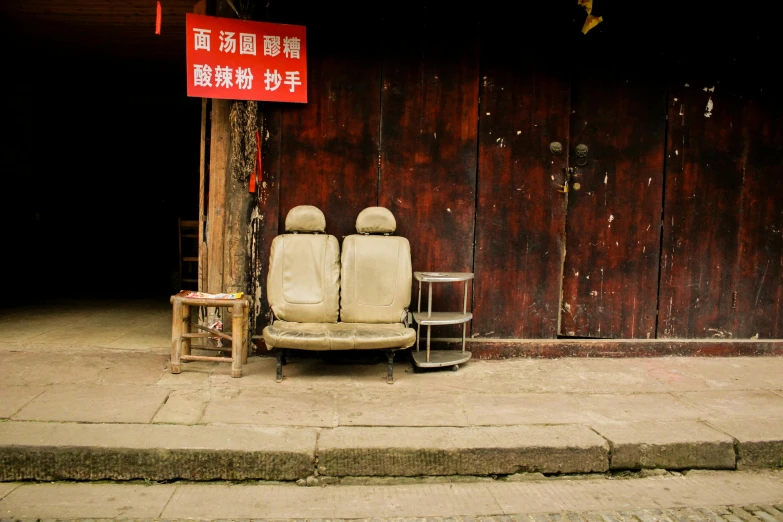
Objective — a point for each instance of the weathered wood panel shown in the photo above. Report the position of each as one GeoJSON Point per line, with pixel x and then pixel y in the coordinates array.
{"type": "Point", "coordinates": [330, 145]}
{"type": "Point", "coordinates": [266, 222]}
{"type": "Point", "coordinates": [759, 301]}
{"type": "Point", "coordinates": [520, 214]}
{"type": "Point", "coordinates": [429, 141]}
{"type": "Point", "coordinates": [610, 275]}
{"type": "Point", "coordinates": [701, 224]}
{"type": "Point", "coordinates": [555, 349]}
{"type": "Point", "coordinates": [219, 155]}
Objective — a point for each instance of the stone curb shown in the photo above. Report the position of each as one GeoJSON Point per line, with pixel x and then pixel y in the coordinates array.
{"type": "Point", "coordinates": [70, 451]}
{"type": "Point", "coordinates": [461, 451]}
{"type": "Point", "coordinates": [63, 451]}
{"type": "Point", "coordinates": [668, 445]}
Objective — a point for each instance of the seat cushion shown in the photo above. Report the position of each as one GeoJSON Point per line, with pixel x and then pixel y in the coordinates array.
{"type": "Point", "coordinates": [338, 336]}
{"type": "Point", "coordinates": [376, 279]}
{"type": "Point", "coordinates": [303, 284]}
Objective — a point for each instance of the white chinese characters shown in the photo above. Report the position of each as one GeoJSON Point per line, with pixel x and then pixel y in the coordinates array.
{"type": "Point", "coordinates": [291, 46]}
{"type": "Point", "coordinates": [248, 63]}
{"type": "Point", "coordinates": [223, 76]}
{"type": "Point", "coordinates": [202, 75]}
{"type": "Point", "coordinates": [271, 45]}
{"type": "Point", "coordinates": [244, 78]}
{"type": "Point", "coordinates": [228, 43]}
{"type": "Point", "coordinates": [273, 80]}
{"type": "Point", "coordinates": [202, 38]}
{"type": "Point", "coordinates": [247, 43]}
{"type": "Point", "coordinates": [292, 79]}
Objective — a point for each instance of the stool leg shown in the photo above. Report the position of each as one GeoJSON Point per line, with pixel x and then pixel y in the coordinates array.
{"type": "Point", "coordinates": [245, 333]}
{"type": "Point", "coordinates": [176, 337]}
{"type": "Point", "coordinates": [237, 339]}
{"type": "Point", "coordinates": [280, 357]}
{"type": "Point", "coordinates": [390, 366]}
{"type": "Point", "coordinates": [186, 328]}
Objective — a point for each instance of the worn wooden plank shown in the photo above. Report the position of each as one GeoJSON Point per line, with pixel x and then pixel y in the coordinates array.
{"type": "Point", "coordinates": [330, 145]}
{"type": "Point", "coordinates": [202, 180]}
{"type": "Point", "coordinates": [265, 219]}
{"type": "Point", "coordinates": [759, 302]}
{"type": "Point", "coordinates": [520, 213]}
{"type": "Point", "coordinates": [429, 140]}
{"type": "Point", "coordinates": [200, 7]}
{"type": "Point", "coordinates": [704, 166]}
{"type": "Point", "coordinates": [610, 275]}
{"type": "Point", "coordinates": [218, 172]}
{"type": "Point", "coordinates": [616, 348]}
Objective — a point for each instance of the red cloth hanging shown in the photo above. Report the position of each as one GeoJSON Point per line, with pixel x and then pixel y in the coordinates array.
{"type": "Point", "coordinates": [157, 19]}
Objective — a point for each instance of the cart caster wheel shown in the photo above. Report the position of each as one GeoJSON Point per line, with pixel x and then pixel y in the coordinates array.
{"type": "Point", "coordinates": [415, 368]}
{"type": "Point", "coordinates": [455, 368]}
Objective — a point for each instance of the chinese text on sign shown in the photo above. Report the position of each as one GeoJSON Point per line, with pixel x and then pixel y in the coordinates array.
{"type": "Point", "coordinates": [244, 60]}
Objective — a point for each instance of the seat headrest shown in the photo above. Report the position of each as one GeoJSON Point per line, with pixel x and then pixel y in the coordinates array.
{"type": "Point", "coordinates": [305, 218]}
{"type": "Point", "coordinates": [375, 220]}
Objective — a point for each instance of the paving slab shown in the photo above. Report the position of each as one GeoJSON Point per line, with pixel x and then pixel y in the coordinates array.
{"type": "Point", "coordinates": [714, 373]}
{"type": "Point", "coordinates": [76, 334]}
{"type": "Point", "coordinates": [287, 502]}
{"type": "Point", "coordinates": [736, 404]}
{"type": "Point", "coordinates": [245, 502]}
{"type": "Point", "coordinates": [608, 408]}
{"type": "Point", "coordinates": [522, 408]}
{"type": "Point", "coordinates": [601, 375]}
{"type": "Point", "coordinates": [91, 403]}
{"type": "Point", "coordinates": [260, 407]}
{"type": "Point", "coordinates": [715, 489]}
{"type": "Point", "coordinates": [122, 368]}
{"type": "Point", "coordinates": [195, 375]}
{"type": "Point", "coordinates": [15, 397]}
{"type": "Point", "coordinates": [60, 451]}
{"type": "Point", "coordinates": [760, 441]}
{"type": "Point", "coordinates": [72, 501]}
{"type": "Point", "coordinates": [550, 500]}
{"type": "Point", "coordinates": [436, 408]}
{"type": "Point", "coordinates": [183, 407]}
{"type": "Point", "coordinates": [24, 368]}
{"type": "Point", "coordinates": [667, 445]}
{"type": "Point", "coordinates": [6, 488]}
{"type": "Point", "coordinates": [380, 451]}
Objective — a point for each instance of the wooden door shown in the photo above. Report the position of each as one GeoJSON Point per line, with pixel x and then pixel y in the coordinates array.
{"type": "Point", "coordinates": [615, 191]}
{"type": "Point", "coordinates": [520, 206]}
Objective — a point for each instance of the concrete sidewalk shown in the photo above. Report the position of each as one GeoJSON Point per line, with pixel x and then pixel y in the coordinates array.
{"type": "Point", "coordinates": [92, 398]}
{"type": "Point", "coordinates": [703, 496]}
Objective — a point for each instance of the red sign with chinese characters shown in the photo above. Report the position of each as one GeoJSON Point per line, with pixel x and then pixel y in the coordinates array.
{"type": "Point", "coordinates": [243, 60]}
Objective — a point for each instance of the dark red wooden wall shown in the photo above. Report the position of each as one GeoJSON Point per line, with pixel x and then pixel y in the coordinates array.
{"type": "Point", "coordinates": [670, 226]}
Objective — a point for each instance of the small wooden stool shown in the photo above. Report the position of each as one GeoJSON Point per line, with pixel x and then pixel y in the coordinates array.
{"type": "Point", "coordinates": [181, 331]}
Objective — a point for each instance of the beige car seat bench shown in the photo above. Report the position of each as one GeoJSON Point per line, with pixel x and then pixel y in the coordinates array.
{"type": "Point", "coordinates": [322, 299]}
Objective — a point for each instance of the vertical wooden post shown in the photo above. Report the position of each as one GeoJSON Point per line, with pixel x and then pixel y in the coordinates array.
{"type": "Point", "coordinates": [238, 334]}
{"type": "Point", "coordinates": [219, 154]}
{"type": "Point", "coordinates": [201, 8]}
{"type": "Point", "coordinates": [176, 336]}
{"type": "Point", "coordinates": [245, 331]}
{"type": "Point", "coordinates": [229, 203]}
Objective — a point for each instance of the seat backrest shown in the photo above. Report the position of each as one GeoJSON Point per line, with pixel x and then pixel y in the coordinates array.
{"type": "Point", "coordinates": [303, 283]}
{"type": "Point", "coordinates": [376, 271]}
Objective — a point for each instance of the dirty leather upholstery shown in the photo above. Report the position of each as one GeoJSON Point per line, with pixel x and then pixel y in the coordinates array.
{"type": "Point", "coordinates": [303, 284]}
{"type": "Point", "coordinates": [378, 274]}
{"type": "Point", "coordinates": [376, 271]}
